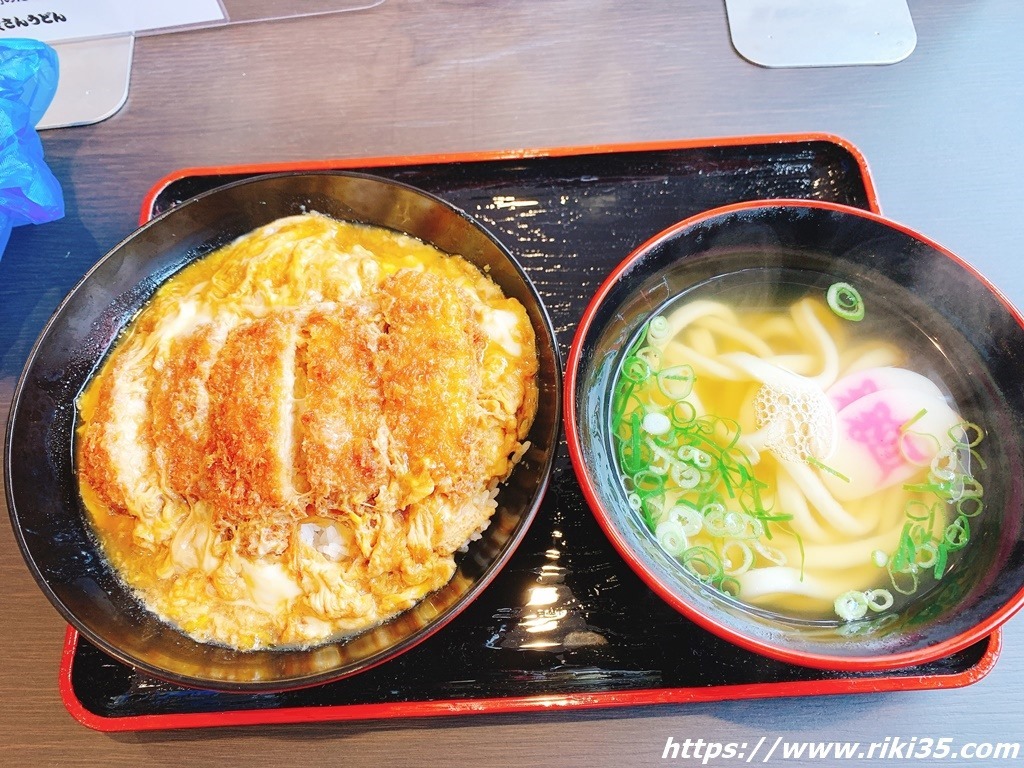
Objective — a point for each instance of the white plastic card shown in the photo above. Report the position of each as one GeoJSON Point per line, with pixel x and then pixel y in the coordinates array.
{"type": "Point", "coordinates": [821, 33]}
{"type": "Point", "coordinates": [57, 20]}
{"type": "Point", "coordinates": [93, 84]}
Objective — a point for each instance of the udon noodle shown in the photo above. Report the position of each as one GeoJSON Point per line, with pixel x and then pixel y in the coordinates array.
{"type": "Point", "coordinates": [788, 459]}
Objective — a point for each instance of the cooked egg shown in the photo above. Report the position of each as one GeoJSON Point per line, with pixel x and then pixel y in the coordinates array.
{"type": "Point", "coordinates": [296, 435]}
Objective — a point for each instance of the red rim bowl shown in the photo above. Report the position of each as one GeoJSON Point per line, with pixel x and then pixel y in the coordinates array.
{"type": "Point", "coordinates": [977, 331]}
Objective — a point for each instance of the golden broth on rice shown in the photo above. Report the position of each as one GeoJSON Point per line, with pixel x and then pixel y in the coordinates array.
{"type": "Point", "coordinates": [300, 430]}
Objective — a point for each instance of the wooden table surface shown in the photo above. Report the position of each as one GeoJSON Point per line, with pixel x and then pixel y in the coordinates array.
{"type": "Point", "coordinates": [941, 132]}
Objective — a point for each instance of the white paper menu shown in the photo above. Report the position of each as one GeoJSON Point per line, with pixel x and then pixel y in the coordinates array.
{"type": "Point", "coordinates": [55, 20]}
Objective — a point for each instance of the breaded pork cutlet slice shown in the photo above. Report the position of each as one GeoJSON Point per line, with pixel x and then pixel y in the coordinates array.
{"type": "Point", "coordinates": [116, 443]}
{"type": "Point", "coordinates": [344, 437]}
{"type": "Point", "coordinates": [252, 389]}
{"type": "Point", "coordinates": [181, 407]}
{"type": "Point", "coordinates": [430, 372]}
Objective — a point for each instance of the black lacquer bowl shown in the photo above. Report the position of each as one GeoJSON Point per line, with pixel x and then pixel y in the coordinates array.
{"type": "Point", "coordinates": [42, 494]}
{"type": "Point", "coordinates": [972, 333]}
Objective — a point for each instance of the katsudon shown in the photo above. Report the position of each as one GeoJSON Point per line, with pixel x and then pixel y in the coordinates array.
{"type": "Point", "coordinates": [294, 438]}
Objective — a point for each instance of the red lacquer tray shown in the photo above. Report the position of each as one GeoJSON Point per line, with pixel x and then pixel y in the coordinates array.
{"type": "Point", "coordinates": [602, 639]}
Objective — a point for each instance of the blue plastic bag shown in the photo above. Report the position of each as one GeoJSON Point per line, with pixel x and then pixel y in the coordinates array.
{"type": "Point", "coordinates": [29, 193]}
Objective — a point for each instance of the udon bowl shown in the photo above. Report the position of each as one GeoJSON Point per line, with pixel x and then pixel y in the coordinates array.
{"type": "Point", "coordinates": [933, 300]}
{"type": "Point", "coordinates": [46, 510]}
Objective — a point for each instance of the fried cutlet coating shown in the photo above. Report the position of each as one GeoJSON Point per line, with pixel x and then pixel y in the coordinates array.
{"type": "Point", "coordinates": [251, 451]}
{"type": "Point", "coordinates": [343, 431]}
{"type": "Point", "coordinates": [116, 451]}
{"type": "Point", "coordinates": [180, 407]}
{"type": "Point", "coordinates": [430, 361]}
{"type": "Point", "coordinates": [96, 464]}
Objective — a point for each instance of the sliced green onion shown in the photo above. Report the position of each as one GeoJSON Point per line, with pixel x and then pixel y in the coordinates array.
{"type": "Point", "coordinates": [676, 383]}
{"type": "Point", "coordinates": [856, 628]}
{"type": "Point", "coordinates": [845, 301]}
{"type": "Point", "coordinates": [906, 582]}
{"type": "Point", "coordinates": [905, 555]}
{"type": "Point", "coordinates": [927, 510]}
{"type": "Point", "coordinates": [722, 523]}
{"type": "Point", "coordinates": [682, 413]}
{"type": "Point", "coordinates": [916, 417]}
{"type": "Point", "coordinates": [651, 356]}
{"type": "Point", "coordinates": [625, 401]}
{"type": "Point", "coordinates": [770, 553]}
{"type": "Point", "coordinates": [656, 423]}
{"type": "Point", "coordinates": [945, 465]}
{"type": "Point", "coordinates": [647, 482]}
{"type": "Point", "coordinates": [702, 460]}
{"type": "Point", "coordinates": [659, 469]}
{"type": "Point", "coordinates": [969, 434]}
{"type": "Point", "coordinates": [713, 508]}
{"type": "Point", "coordinates": [658, 328]}
{"type": "Point", "coordinates": [851, 605]}
{"type": "Point", "coordinates": [957, 533]}
{"type": "Point", "coordinates": [634, 455]}
{"type": "Point", "coordinates": [686, 477]}
{"type": "Point", "coordinates": [703, 563]}
{"type": "Point", "coordinates": [751, 527]}
{"type": "Point", "coordinates": [730, 549]}
{"type": "Point", "coordinates": [730, 585]}
{"type": "Point", "coordinates": [977, 457]}
{"type": "Point", "coordinates": [803, 554]}
{"type": "Point", "coordinates": [688, 517]}
{"type": "Point", "coordinates": [939, 489]}
{"type": "Point", "coordinates": [971, 488]}
{"type": "Point", "coordinates": [653, 510]}
{"type": "Point", "coordinates": [926, 555]}
{"type": "Point", "coordinates": [671, 537]}
{"type": "Point", "coordinates": [970, 506]}
{"type": "Point", "coordinates": [822, 466]}
{"type": "Point", "coordinates": [941, 558]}
{"type": "Point", "coordinates": [728, 431]}
{"type": "Point", "coordinates": [636, 370]}
{"type": "Point", "coordinates": [879, 600]}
